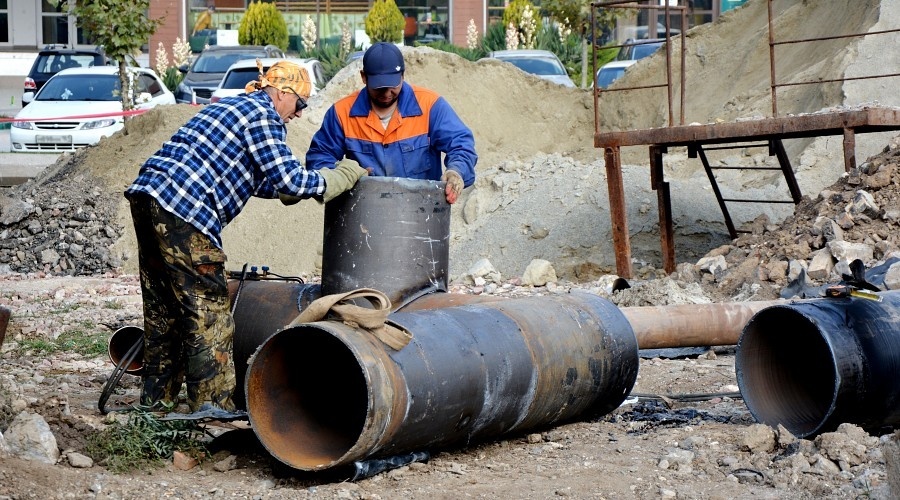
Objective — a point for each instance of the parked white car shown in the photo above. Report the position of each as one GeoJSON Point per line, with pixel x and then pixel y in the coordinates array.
{"type": "Point", "coordinates": [541, 63]}
{"type": "Point", "coordinates": [79, 106]}
{"type": "Point", "coordinates": [611, 72]}
{"type": "Point", "coordinates": [245, 71]}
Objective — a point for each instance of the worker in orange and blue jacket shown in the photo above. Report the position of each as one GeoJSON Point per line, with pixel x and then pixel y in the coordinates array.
{"type": "Point", "coordinates": [396, 129]}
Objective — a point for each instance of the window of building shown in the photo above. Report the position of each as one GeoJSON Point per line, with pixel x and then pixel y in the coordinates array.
{"type": "Point", "coordinates": [54, 22]}
{"type": "Point", "coordinates": [4, 21]}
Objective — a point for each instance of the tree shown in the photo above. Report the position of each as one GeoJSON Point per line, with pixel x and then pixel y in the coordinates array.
{"type": "Point", "coordinates": [263, 24]}
{"type": "Point", "coordinates": [385, 22]}
{"type": "Point", "coordinates": [576, 15]}
{"type": "Point", "coordinates": [121, 27]}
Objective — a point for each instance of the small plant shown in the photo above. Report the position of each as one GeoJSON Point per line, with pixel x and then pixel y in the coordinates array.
{"type": "Point", "coordinates": [515, 13]}
{"type": "Point", "coordinates": [7, 413]}
{"type": "Point", "coordinates": [171, 77]}
{"type": "Point", "coordinates": [263, 24]}
{"type": "Point", "coordinates": [527, 27]}
{"type": "Point", "coordinates": [385, 22]}
{"type": "Point", "coordinates": [471, 35]}
{"type": "Point", "coordinates": [82, 340]}
{"type": "Point", "coordinates": [309, 34]}
{"type": "Point", "coordinates": [143, 440]}
{"type": "Point", "coordinates": [346, 40]}
{"type": "Point", "coordinates": [512, 37]}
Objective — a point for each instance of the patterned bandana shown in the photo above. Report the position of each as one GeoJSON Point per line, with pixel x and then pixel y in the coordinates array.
{"type": "Point", "coordinates": [285, 76]}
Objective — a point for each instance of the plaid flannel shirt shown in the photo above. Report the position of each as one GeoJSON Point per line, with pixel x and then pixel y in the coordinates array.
{"type": "Point", "coordinates": [227, 152]}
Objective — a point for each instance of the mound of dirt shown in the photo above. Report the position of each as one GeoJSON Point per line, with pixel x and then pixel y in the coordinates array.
{"type": "Point", "coordinates": [540, 190]}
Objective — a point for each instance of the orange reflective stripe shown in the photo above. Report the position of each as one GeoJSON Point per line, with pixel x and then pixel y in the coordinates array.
{"type": "Point", "coordinates": [368, 128]}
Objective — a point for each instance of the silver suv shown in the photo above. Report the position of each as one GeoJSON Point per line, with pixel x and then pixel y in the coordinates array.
{"type": "Point", "coordinates": [203, 76]}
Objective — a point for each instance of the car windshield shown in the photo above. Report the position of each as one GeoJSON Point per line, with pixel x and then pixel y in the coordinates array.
{"type": "Point", "coordinates": [240, 77]}
{"type": "Point", "coordinates": [642, 51]}
{"type": "Point", "coordinates": [537, 66]}
{"type": "Point", "coordinates": [608, 75]}
{"type": "Point", "coordinates": [219, 62]}
{"type": "Point", "coordinates": [80, 88]}
{"type": "Point", "coordinates": [54, 63]}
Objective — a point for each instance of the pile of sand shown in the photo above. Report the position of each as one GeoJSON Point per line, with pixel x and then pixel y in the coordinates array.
{"type": "Point", "coordinates": [541, 188]}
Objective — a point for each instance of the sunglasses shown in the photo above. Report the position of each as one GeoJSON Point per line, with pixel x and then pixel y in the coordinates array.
{"type": "Point", "coordinates": [301, 102]}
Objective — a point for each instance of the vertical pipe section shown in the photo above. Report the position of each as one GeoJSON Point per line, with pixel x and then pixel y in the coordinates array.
{"type": "Point", "coordinates": [812, 365]}
{"type": "Point", "coordinates": [5, 313]}
{"type": "Point", "coordinates": [325, 394]}
{"type": "Point", "coordinates": [390, 234]}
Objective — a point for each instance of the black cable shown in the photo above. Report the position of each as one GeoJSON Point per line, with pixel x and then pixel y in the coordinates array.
{"type": "Point", "coordinates": [116, 375]}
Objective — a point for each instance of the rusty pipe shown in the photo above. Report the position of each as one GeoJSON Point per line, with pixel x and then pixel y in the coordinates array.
{"type": "Point", "coordinates": [691, 325]}
{"type": "Point", "coordinates": [656, 327]}
{"type": "Point", "coordinates": [325, 394]}
{"type": "Point", "coordinates": [811, 365]}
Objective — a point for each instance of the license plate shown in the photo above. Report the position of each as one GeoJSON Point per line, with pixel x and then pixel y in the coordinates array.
{"type": "Point", "coordinates": [53, 139]}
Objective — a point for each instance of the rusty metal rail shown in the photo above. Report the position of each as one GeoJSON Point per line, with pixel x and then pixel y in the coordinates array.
{"type": "Point", "coordinates": [774, 43]}
{"type": "Point", "coordinates": [668, 84]}
{"type": "Point", "coordinates": [773, 130]}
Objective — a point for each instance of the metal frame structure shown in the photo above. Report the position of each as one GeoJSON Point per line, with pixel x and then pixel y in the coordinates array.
{"type": "Point", "coordinates": [768, 132]}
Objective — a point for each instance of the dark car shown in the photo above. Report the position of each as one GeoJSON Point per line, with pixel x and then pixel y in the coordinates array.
{"type": "Point", "coordinates": [203, 76]}
{"type": "Point", "coordinates": [54, 58]}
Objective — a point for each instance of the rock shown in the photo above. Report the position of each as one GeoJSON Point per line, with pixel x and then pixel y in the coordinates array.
{"type": "Point", "coordinates": [848, 444]}
{"type": "Point", "coordinates": [484, 269]}
{"type": "Point", "coordinates": [713, 264]}
{"type": "Point", "coordinates": [777, 269]}
{"type": "Point", "coordinates": [892, 277]}
{"type": "Point", "coordinates": [29, 437]}
{"type": "Point", "coordinates": [845, 221]}
{"type": "Point", "coordinates": [828, 228]}
{"type": "Point", "coordinates": [824, 467]}
{"type": "Point", "coordinates": [538, 273]}
{"type": "Point", "coordinates": [844, 250]}
{"type": "Point", "coordinates": [226, 464]}
{"type": "Point", "coordinates": [758, 438]}
{"type": "Point", "coordinates": [79, 461]}
{"type": "Point", "coordinates": [13, 210]}
{"type": "Point", "coordinates": [878, 180]}
{"type": "Point", "coordinates": [794, 268]}
{"type": "Point", "coordinates": [183, 461]}
{"type": "Point", "coordinates": [821, 265]}
{"type": "Point", "coordinates": [863, 204]}
{"type": "Point", "coordinates": [785, 437]}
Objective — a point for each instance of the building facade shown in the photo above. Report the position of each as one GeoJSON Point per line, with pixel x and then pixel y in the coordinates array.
{"type": "Point", "coordinates": [28, 25]}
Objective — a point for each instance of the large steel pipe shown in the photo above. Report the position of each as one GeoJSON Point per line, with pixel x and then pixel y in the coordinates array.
{"type": "Point", "coordinates": [390, 234]}
{"type": "Point", "coordinates": [812, 365]}
{"type": "Point", "coordinates": [324, 394]}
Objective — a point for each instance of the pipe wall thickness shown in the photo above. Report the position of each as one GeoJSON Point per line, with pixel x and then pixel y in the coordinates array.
{"type": "Point", "coordinates": [325, 394]}
{"type": "Point", "coordinates": [812, 365]}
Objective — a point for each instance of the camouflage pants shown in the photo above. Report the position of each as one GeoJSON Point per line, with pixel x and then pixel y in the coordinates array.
{"type": "Point", "coordinates": [188, 327]}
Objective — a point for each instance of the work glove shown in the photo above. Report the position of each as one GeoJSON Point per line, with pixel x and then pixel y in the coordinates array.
{"type": "Point", "coordinates": [341, 178]}
{"type": "Point", "coordinates": [454, 185]}
{"type": "Point", "coordinates": [288, 199]}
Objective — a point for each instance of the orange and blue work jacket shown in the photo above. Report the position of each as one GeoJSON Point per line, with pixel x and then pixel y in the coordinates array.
{"type": "Point", "coordinates": [422, 127]}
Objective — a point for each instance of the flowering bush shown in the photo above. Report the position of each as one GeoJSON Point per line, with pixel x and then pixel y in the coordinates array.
{"type": "Point", "coordinates": [308, 34]}
{"type": "Point", "coordinates": [181, 52]}
{"type": "Point", "coordinates": [346, 40]}
{"type": "Point", "coordinates": [512, 37]}
{"type": "Point", "coordinates": [527, 27]}
{"type": "Point", "coordinates": [472, 35]}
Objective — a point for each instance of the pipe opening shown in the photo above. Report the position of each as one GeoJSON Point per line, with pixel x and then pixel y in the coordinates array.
{"type": "Point", "coordinates": [308, 406]}
{"type": "Point", "coordinates": [121, 341]}
{"type": "Point", "coordinates": [786, 371]}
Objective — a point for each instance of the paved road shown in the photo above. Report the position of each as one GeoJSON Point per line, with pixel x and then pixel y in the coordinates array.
{"type": "Point", "coordinates": [16, 168]}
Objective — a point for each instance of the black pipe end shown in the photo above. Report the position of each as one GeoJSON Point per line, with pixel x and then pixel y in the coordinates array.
{"type": "Point", "coordinates": [786, 371]}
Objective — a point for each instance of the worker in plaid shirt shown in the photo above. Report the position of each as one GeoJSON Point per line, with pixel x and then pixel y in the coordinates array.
{"type": "Point", "coordinates": [184, 195]}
